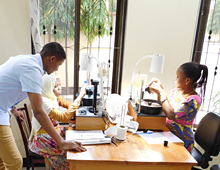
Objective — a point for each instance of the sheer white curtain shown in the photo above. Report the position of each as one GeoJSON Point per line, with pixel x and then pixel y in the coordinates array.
{"type": "Point", "coordinates": [35, 30]}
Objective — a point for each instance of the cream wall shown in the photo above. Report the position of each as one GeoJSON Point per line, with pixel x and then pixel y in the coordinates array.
{"type": "Point", "coordinates": [15, 28]}
{"type": "Point", "coordinates": [158, 27]}
{"type": "Point", "coordinates": [15, 39]}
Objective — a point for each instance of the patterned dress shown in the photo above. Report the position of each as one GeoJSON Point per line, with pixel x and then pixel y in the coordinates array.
{"type": "Point", "coordinates": [42, 144]}
{"type": "Point", "coordinates": [185, 110]}
{"type": "Point", "coordinates": [40, 141]}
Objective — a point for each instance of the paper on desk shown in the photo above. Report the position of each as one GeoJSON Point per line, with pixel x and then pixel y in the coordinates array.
{"type": "Point", "coordinates": [111, 131]}
{"type": "Point", "coordinates": [160, 137]}
{"type": "Point", "coordinates": [84, 134]}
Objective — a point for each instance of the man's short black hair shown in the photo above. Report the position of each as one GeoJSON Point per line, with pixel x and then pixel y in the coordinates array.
{"type": "Point", "coordinates": [53, 49]}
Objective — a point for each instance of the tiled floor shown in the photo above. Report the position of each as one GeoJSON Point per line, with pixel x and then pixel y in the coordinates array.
{"type": "Point", "coordinates": [37, 168]}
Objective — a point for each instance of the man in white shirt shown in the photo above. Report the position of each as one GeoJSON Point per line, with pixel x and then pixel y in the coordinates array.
{"type": "Point", "coordinates": [21, 77]}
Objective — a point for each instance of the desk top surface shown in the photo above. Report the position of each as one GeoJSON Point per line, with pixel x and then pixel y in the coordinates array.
{"type": "Point", "coordinates": [134, 150]}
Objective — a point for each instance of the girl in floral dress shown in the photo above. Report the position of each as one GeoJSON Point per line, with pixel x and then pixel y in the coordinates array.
{"type": "Point", "coordinates": [185, 102]}
{"type": "Point", "coordinates": [41, 142]}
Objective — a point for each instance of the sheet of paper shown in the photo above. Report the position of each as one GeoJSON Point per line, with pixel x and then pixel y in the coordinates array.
{"type": "Point", "coordinates": [160, 137]}
{"type": "Point", "coordinates": [84, 134]}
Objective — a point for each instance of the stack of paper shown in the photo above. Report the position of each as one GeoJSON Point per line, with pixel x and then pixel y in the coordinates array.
{"type": "Point", "coordinates": [87, 137]}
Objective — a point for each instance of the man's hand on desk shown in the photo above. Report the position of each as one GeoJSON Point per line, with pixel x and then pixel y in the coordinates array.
{"type": "Point", "coordinates": [73, 145]}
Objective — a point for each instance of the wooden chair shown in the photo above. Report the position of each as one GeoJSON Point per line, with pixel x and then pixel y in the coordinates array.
{"type": "Point", "coordinates": [25, 129]}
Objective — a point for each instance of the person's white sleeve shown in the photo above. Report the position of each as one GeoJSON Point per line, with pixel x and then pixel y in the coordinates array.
{"type": "Point", "coordinates": [31, 80]}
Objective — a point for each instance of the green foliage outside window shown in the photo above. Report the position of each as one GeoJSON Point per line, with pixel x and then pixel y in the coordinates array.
{"type": "Point", "coordinates": [214, 22]}
{"type": "Point", "coordinates": [94, 18]}
{"type": "Point", "coordinates": [59, 16]}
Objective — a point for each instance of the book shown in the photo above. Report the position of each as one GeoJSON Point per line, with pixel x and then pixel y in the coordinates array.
{"type": "Point", "coordinates": [87, 137]}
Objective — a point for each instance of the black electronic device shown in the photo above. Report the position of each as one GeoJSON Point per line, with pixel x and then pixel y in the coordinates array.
{"type": "Point", "coordinates": [94, 109]}
{"type": "Point", "coordinates": [87, 100]}
{"type": "Point", "coordinates": [148, 106]}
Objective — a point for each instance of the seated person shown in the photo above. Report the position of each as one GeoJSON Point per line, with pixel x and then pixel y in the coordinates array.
{"type": "Point", "coordinates": [184, 103]}
{"type": "Point", "coordinates": [41, 142]}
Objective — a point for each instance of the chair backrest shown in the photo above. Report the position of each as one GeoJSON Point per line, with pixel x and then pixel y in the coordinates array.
{"type": "Point", "coordinates": [25, 127]}
{"type": "Point", "coordinates": [26, 115]}
{"type": "Point", "coordinates": [207, 134]}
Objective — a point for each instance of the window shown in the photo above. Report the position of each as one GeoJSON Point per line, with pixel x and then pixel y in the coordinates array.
{"type": "Point", "coordinates": [210, 56]}
{"type": "Point", "coordinates": [97, 36]}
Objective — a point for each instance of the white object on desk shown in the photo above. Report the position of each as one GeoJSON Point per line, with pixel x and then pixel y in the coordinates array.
{"type": "Point", "coordinates": [111, 131]}
{"type": "Point", "coordinates": [95, 141]}
{"type": "Point", "coordinates": [118, 131]}
{"type": "Point", "coordinates": [87, 137]}
{"type": "Point", "coordinates": [84, 134]}
{"type": "Point", "coordinates": [132, 126]}
{"type": "Point", "coordinates": [121, 132]}
{"type": "Point", "coordinates": [113, 106]}
{"type": "Point", "coordinates": [160, 137]}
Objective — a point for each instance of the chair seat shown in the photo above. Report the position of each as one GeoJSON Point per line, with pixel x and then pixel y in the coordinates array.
{"type": "Point", "coordinates": [215, 167]}
{"type": "Point", "coordinates": [34, 155]}
{"type": "Point", "coordinates": [36, 159]}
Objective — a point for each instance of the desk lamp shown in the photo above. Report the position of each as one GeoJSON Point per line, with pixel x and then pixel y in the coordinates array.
{"type": "Point", "coordinates": [156, 66]}
{"type": "Point", "coordinates": [86, 65]}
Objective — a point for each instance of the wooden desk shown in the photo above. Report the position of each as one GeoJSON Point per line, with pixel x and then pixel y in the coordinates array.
{"type": "Point", "coordinates": [135, 154]}
{"type": "Point", "coordinates": [89, 121]}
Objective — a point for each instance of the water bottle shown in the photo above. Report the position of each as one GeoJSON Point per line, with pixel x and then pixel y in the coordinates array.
{"type": "Point", "coordinates": [85, 84]}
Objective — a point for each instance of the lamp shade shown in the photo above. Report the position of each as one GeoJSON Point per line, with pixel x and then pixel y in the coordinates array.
{"type": "Point", "coordinates": [157, 63]}
{"type": "Point", "coordinates": [86, 62]}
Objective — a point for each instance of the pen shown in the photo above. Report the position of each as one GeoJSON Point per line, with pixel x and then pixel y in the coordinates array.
{"type": "Point", "coordinates": [114, 142]}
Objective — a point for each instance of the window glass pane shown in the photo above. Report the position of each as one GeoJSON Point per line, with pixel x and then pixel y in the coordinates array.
{"type": "Point", "coordinates": [57, 23]}
{"type": "Point", "coordinates": [210, 57]}
{"type": "Point", "coordinates": [98, 37]}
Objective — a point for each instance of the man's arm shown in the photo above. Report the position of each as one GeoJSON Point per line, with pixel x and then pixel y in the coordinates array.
{"type": "Point", "coordinates": [43, 119]}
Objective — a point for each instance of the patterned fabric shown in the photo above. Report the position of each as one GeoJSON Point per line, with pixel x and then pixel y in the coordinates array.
{"type": "Point", "coordinates": [42, 144]}
{"type": "Point", "coordinates": [185, 110]}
